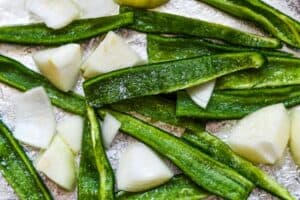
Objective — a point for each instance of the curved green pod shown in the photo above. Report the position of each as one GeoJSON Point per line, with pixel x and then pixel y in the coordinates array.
{"type": "Point", "coordinates": [105, 172]}
{"type": "Point", "coordinates": [39, 34]}
{"type": "Point", "coordinates": [224, 105]}
{"type": "Point", "coordinates": [278, 71]}
{"type": "Point", "coordinates": [220, 151]}
{"type": "Point", "coordinates": [162, 48]}
{"type": "Point", "coordinates": [270, 19]}
{"type": "Point", "coordinates": [20, 77]}
{"type": "Point", "coordinates": [204, 171]}
{"type": "Point", "coordinates": [179, 187]}
{"type": "Point", "coordinates": [88, 178]}
{"type": "Point", "coordinates": [163, 23]}
{"type": "Point", "coordinates": [158, 109]}
{"type": "Point", "coordinates": [18, 170]}
{"type": "Point", "coordinates": [165, 77]}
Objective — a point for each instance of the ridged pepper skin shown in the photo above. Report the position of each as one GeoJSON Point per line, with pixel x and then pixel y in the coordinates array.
{"type": "Point", "coordinates": [163, 23]}
{"type": "Point", "coordinates": [39, 34]}
{"type": "Point", "coordinates": [165, 77]}
{"type": "Point", "coordinates": [18, 170]}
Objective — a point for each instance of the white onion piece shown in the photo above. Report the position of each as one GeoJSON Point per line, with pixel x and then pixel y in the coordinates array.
{"type": "Point", "coordinates": [263, 135]}
{"type": "Point", "coordinates": [35, 120]}
{"type": "Point", "coordinates": [141, 169]}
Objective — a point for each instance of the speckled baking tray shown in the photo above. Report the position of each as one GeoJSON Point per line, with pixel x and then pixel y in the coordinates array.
{"type": "Point", "coordinates": [12, 12]}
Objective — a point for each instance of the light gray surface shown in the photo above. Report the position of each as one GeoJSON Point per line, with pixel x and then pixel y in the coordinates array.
{"type": "Point", "coordinates": [11, 12]}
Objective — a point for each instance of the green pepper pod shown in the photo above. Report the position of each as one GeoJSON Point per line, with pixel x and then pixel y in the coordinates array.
{"type": "Point", "coordinates": [165, 77]}
{"type": "Point", "coordinates": [39, 34]}
{"type": "Point", "coordinates": [162, 48]}
{"type": "Point", "coordinates": [88, 179]}
{"type": "Point", "coordinates": [163, 23]}
{"type": "Point", "coordinates": [279, 71]}
{"type": "Point", "coordinates": [270, 19]}
{"type": "Point", "coordinates": [18, 170]}
{"type": "Point", "coordinates": [158, 109]}
{"type": "Point", "coordinates": [234, 105]}
{"type": "Point", "coordinates": [106, 175]}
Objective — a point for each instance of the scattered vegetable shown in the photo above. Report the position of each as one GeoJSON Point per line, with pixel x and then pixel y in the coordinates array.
{"type": "Point", "coordinates": [58, 164]}
{"type": "Point", "coordinates": [236, 104]}
{"type": "Point", "coordinates": [158, 109]}
{"type": "Point", "coordinates": [18, 170]}
{"type": "Point", "coordinates": [39, 34]}
{"type": "Point", "coordinates": [106, 175]}
{"type": "Point", "coordinates": [20, 77]}
{"type": "Point", "coordinates": [173, 48]}
{"type": "Point", "coordinates": [60, 65]}
{"type": "Point", "coordinates": [142, 3]}
{"type": "Point", "coordinates": [164, 77]}
{"type": "Point", "coordinates": [264, 15]}
{"type": "Point", "coordinates": [89, 178]}
{"type": "Point", "coordinates": [97, 8]}
{"type": "Point", "coordinates": [295, 133]}
{"type": "Point", "coordinates": [263, 135]}
{"type": "Point", "coordinates": [112, 54]}
{"type": "Point", "coordinates": [220, 151]}
{"type": "Point", "coordinates": [204, 171]}
{"type": "Point", "coordinates": [156, 22]}
{"type": "Point", "coordinates": [35, 120]}
{"type": "Point", "coordinates": [141, 169]}
{"type": "Point", "coordinates": [55, 14]}
{"type": "Point", "coordinates": [279, 71]}
{"type": "Point", "coordinates": [109, 128]}
{"type": "Point", "coordinates": [201, 94]}
{"type": "Point", "coordinates": [70, 130]}
{"type": "Point", "coordinates": [178, 187]}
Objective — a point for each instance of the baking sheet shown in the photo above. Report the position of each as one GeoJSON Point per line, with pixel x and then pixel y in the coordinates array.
{"type": "Point", "coordinates": [12, 12]}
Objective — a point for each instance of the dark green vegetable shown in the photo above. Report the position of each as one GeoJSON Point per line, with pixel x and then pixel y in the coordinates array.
{"type": "Point", "coordinates": [270, 19]}
{"type": "Point", "coordinates": [266, 92]}
{"type": "Point", "coordinates": [18, 170]}
{"type": "Point", "coordinates": [88, 179]}
{"type": "Point", "coordinates": [106, 175]}
{"type": "Point", "coordinates": [220, 151]}
{"type": "Point", "coordinates": [233, 106]}
{"type": "Point", "coordinates": [158, 109]}
{"type": "Point", "coordinates": [39, 34]}
{"type": "Point", "coordinates": [173, 48]}
{"type": "Point", "coordinates": [204, 171]}
{"type": "Point", "coordinates": [279, 71]}
{"type": "Point", "coordinates": [178, 187]}
{"type": "Point", "coordinates": [20, 77]}
{"type": "Point", "coordinates": [156, 22]}
{"type": "Point", "coordinates": [164, 77]}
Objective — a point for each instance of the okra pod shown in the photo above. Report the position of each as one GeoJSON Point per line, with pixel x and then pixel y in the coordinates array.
{"type": "Point", "coordinates": [158, 109]}
{"type": "Point", "coordinates": [179, 187]}
{"type": "Point", "coordinates": [165, 77]}
{"type": "Point", "coordinates": [39, 34]}
{"type": "Point", "coordinates": [270, 19]}
{"type": "Point", "coordinates": [279, 71]}
{"type": "Point", "coordinates": [106, 175]}
{"type": "Point", "coordinates": [20, 77]}
{"type": "Point", "coordinates": [163, 23]}
{"type": "Point", "coordinates": [162, 48]}
{"type": "Point", "coordinates": [88, 178]}
{"type": "Point", "coordinates": [221, 152]}
{"type": "Point", "coordinates": [18, 170]}
{"type": "Point", "coordinates": [204, 171]}
{"type": "Point", "coordinates": [224, 105]}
